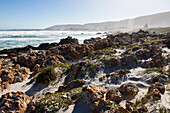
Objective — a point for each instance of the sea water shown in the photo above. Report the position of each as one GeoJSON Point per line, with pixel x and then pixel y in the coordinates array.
{"type": "Point", "coordinates": [13, 39]}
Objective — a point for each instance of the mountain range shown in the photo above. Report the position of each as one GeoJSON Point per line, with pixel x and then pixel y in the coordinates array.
{"type": "Point", "coordinates": [152, 21]}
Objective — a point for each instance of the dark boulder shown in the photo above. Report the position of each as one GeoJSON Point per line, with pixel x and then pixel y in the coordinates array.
{"type": "Point", "coordinates": [69, 40]}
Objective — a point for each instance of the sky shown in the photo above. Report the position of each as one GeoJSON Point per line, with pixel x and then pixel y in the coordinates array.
{"type": "Point", "coordinates": [39, 14]}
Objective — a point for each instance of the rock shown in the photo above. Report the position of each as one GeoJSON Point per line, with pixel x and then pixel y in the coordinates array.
{"type": "Point", "coordinates": [114, 95]}
{"type": "Point", "coordinates": [44, 46]}
{"type": "Point", "coordinates": [101, 44]}
{"type": "Point", "coordinates": [154, 93]}
{"type": "Point", "coordinates": [152, 77]}
{"type": "Point", "coordinates": [31, 52]}
{"type": "Point", "coordinates": [61, 58]}
{"type": "Point", "coordinates": [120, 109]}
{"type": "Point", "coordinates": [158, 86]}
{"type": "Point", "coordinates": [167, 42]}
{"type": "Point", "coordinates": [69, 40]}
{"type": "Point", "coordinates": [74, 51]}
{"type": "Point", "coordinates": [142, 109]}
{"type": "Point", "coordinates": [14, 102]}
{"type": "Point", "coordinates": [17, 79]}
{"type": "Point", "coordinates": [73, 84]}
{"type": "Point", "coordinates": [91, 41]}
{"type": "Point", "coordinates": [127, 60]}
{"type": "Point", "coordinates": [94, 97]}
{"type": "Point", "coordinates": [117, 79]}
{"type": "Point", "coordinates": [129, 105]}
{"type": "Point", "coordinates": [142, 54]}
{"type": "Point", "coordinates": [92, 93]}
{"type": "Point", "coordinates": [147, 64]}
{"type": "Point", "coordinates": [47, 46]}
{"type": "Point", "coordinates": [17, 66]}
{"type": "Point", "coordinates": [7, 75]}
{"type": "Point", "coordinates": [25, 70]}
{"type": "Point", "coordinates": [75, 72]}
{"type": "Point", "coordinates": [118, 76]}
{"type": "Point", "coordinates": [25, 60]}
{"type": "Point", "coordinates": [154, 50]}
{"type": "Point", "coordinates": [98, 106]}
{"type": "Point", "coordinates": [51, 60]}
{"type": "Point", "coordinates": [15, 51]}
{"type": "Point", "coordinates": [113, 62]}
{"type": "Point", "coordinates": [129, 90]}
{"type": "Point", "coordinates": [5, 85]}
{"type": "Point", "coordinates": [36, 69]}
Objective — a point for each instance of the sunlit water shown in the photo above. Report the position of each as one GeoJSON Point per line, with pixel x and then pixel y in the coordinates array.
{"type": "Point", "coordinates": [12, 39]}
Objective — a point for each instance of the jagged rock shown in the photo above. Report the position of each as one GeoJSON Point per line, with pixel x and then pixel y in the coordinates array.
{"type": "Point", "coordinates": [167, 42]}
{"type": "Point", "coordinates": [118, 76]}
{"type": "Point", "coordinates": [7, 75]}
{"type": "Point", "coordinates": [91, 41]}
{"type": "Point", "coordinates": [129, 90]}
{"type": "Point", "coordinates": [11, 73]}
{"type": "Point", "coordinates": [117, 79]}
{"type": "Point", "coordinates": [25, 60]}
{"type": "Point", "coordinates": [17, 79]}
{"type": "Point", "coordinates": [92, 93]}
{"type": "Point", "coordinates": [114, 95]}
{"type": "Point", "coordinates": [15, 51]}
{"type": "Point", "coordinates": [159, 62]}
{"type": "Point", "coordinates": [154, 50]}
{"type": "Point", "coordinates": [119, 109]}
{"type": "Point", "coordinates": [142, 109]}
{"type": "Point", "coordinates": [69, 40]}
{"type": "Point", "coordinates": [74, 51]}
{"type": "Point", "coordinates": [152, 77]}
{"type": "Point", "coordinates": [51, 60]}
{"type": "Point", "coordinates": [155, 90]}
{"type": "Point", "coordinates": [158, 86]}
{"type": "Point", "coordinates": [142, 54]}
{"type": "Point", "coordinates": [155, 94]}
{"type": "Point", "coordinates": [43, 46]}
{"type": "Point", "coordinates": [113, 62]}
{"type": "Point", "coordinates": [25, 70]}
{"type": "Point", "coordinates": [161, 79]}
{"type": "Point", "coordinates": [32, 52]}
{"type": "Point", "coordinates": [36, 68]}
{"type": "Point", "coordinates": [99, 105]}
{"type": "Point", "coordinates": [5, 85]}
{"type": "Point", "coordinates": [129, 105]}
{"type": "Point", "coordinates": [41, 58]}
{"type": "Point", "coordinates": [71, 85]}
{"type": "Point", "coordinates": [101, 44]}
{"type": "Point", "coordinates": [94, 97]}
{"type": "Point", "coordinates": [126, 60]}
{"type": "Point", "coordinates": [14, 102]}
{"type": "Point", "coordinates": [75, 72]}
{"type": "Point", "coordinates": [61, 58]}
{"type": "Point", "coordinates": [17, 66]}
{"type": "Point", "coordinates": [147, 64]}
{"type": "Point", "coordinates": [46, 46]}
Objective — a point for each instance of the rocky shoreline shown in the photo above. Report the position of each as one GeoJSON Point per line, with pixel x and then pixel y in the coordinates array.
{"type": "Point", "coordinates": [97, 73]}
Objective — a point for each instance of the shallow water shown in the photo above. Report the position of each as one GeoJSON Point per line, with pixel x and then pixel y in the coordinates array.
{"type": "Point", "coordinates": [11, 39]}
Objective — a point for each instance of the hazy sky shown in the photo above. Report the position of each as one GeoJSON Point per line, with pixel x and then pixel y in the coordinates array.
{"type": "Point", "coordinates": [45, 13]}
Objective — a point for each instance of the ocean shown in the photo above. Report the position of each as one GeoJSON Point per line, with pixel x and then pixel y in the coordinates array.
{"type": "Point", "coordinates": [13, 39]}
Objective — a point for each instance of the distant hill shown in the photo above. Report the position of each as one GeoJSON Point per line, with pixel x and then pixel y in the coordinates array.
{"type": "Point", "coordinates": [159, 30]}
{"type": "Point", "coordinates": [153, 21]}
